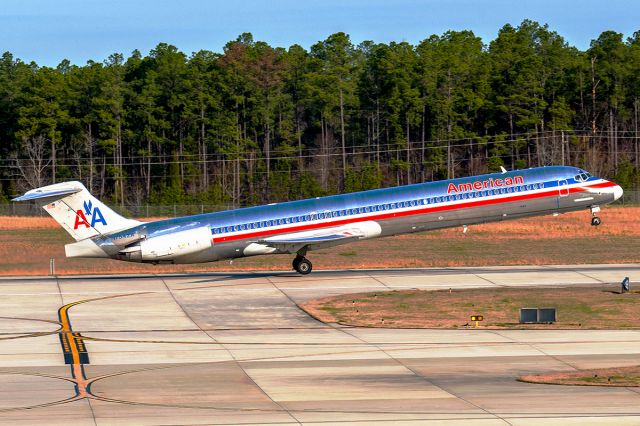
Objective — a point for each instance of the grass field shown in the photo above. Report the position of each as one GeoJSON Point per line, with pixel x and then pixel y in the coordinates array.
{"type": "Point", "coordinates": [578, 307]}
{"type": "Point", "coordinates": [27, 243]}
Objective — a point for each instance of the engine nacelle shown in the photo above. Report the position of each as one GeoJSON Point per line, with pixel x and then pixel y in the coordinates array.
{"type": "Point", "coordinates": [170, 246]}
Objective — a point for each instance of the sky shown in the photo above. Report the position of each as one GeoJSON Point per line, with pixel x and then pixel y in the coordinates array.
{"type": "Point", "coordinates": [48, 31]}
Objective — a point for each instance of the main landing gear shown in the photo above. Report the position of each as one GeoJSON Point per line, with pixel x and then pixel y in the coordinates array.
{"type": "Point", "coordinates": [302, 265]}
{"type": "Point", "coordinates": [595, 220]}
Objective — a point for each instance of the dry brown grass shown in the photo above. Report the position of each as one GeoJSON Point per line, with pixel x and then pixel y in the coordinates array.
{"type": "Point", "coordinates": [12, 223]}
{"type": "Point", "coordinates": [584, 307]}
{"type": "Point", "coordinates": [27, 243]}
{"type": "Point", "coordinates": [617, 376]}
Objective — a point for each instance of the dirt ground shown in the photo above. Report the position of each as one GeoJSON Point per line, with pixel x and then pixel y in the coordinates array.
{"type": "Point", "coordinates": [27, 244]}
{"type": "Point", "coordinates": [577, 307]}
{"type": "Point", "coordinates": [620, 376]}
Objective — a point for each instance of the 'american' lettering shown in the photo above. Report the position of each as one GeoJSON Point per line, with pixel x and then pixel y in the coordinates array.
{"type": "Point", "coordinates": [485, 184]}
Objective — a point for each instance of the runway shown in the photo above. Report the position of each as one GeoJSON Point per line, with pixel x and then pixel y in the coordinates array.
{"type": "Point", "coordinates": [234, 348]}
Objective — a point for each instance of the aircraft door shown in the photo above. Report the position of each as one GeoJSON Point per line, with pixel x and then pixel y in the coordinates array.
{"type": "Point", "coordinates": [563, 188]}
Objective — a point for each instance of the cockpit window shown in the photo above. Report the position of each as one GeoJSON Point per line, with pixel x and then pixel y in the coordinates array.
{"type": "Point", "coordinates": [581, 177]}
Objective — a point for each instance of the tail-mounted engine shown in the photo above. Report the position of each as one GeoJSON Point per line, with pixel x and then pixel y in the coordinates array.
{"type": "Point", "coordinates": [166, 248]}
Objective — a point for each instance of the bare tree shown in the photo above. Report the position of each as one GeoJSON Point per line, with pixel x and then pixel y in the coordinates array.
{"type": "Point", "coordinates": [32, 163]}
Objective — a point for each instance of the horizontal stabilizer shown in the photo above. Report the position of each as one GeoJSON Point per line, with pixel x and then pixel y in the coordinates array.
{"type": "Point", "coordinates": [44, 195]}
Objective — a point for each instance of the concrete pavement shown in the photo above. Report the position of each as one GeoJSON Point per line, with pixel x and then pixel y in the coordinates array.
{"type": "Point", "coordinates": [225, 348]}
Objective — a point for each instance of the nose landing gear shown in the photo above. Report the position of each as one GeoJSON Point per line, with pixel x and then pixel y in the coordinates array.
{"type": "Point", "coordinates": [595, 220]}
{"type": "Point", "coordinates": [302, 265]}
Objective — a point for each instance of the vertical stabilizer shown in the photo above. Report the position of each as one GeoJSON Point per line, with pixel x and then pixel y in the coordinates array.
{"type": "Point", "coordinates": [76, 210]}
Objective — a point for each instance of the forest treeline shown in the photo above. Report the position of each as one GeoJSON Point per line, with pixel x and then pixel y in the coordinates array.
{"type": "Point", "coordinates": [258, 123]}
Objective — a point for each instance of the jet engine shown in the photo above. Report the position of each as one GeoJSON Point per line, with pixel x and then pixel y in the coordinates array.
{"type": "Point", "coordinates": [165, 248]}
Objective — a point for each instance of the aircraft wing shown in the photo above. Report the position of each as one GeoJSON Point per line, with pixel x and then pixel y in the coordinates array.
{"type": "Point", "coordinates": [322, 238]}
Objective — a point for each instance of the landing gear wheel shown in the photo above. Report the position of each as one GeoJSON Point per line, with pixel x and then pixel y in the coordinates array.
{"type": "Point", "coordinates": [302, 265]}
{"type": "Point", "coordinates": [595, 221]}
{"type": "Point", "coordinates": [296, 262]}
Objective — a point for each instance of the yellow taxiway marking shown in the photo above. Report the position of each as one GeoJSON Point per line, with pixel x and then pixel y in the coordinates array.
{"type": "Point", "coordinates": [67, 333]}
{"type": "Point", "coordinates": [73, 342]}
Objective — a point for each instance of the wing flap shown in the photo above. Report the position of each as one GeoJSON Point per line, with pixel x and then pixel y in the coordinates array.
{"type": "Point", "coordinates": [311, 239]}
{"type": "Point", "coordinates": [317, 239]}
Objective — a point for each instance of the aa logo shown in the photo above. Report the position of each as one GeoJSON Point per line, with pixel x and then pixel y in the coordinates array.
{"type": "Point", "coordinates": [94, 213]}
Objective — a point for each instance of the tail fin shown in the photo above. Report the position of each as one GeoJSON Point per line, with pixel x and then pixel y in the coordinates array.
{"type": "Point", "coordinates": [76, 210]}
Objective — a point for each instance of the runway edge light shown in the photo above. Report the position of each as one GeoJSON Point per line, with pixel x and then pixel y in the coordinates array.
{"type": "Point", "coordinates": [626, 287]}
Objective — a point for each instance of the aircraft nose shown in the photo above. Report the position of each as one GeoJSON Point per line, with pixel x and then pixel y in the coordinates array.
{"type": "Point", "coordinates": [617, 192]}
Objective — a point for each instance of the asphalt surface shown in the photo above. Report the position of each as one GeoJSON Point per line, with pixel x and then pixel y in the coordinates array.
{"type": "Point", "coordinates": [235, 349]}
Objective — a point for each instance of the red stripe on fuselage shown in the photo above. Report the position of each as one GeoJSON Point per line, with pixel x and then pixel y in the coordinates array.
{"type": "Point", "coordinates": [391, 215]}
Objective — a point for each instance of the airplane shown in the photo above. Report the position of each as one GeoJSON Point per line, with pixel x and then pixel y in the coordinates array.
{"type": "Point", "coordinates": [298, 227]}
